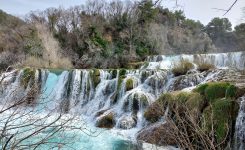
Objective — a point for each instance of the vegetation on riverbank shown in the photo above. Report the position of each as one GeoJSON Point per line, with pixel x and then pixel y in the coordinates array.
{"type": "Point", "coordinates": [209, 111]}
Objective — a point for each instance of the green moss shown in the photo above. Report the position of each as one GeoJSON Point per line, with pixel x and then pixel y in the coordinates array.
{"type": "Point", "coordinates": [129, 84]}
{"type": "Point", "coordinates": [122, 72]}
{"type": "Point", "coordinates": [216, 90]}
{"type": "Point", "coordinates": [28, 74]}
{"type": "Point", "coordinates": [201, 88]}
{"type": "Point", "coordinates": [231, 91]}
{"type": "Point", "coordinates": [220, 116]}
{"type": "Point", "coordinates": [114, 73]}
{"type": "Point", "coordinates": [194, 101]}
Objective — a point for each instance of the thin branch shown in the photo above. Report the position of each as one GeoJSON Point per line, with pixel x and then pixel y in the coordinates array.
{"type": "Point", "coordinates": [231, 7]}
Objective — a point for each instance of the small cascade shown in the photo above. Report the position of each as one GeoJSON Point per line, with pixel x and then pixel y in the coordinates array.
{"type": "Point", "coordinates": [221, 60]}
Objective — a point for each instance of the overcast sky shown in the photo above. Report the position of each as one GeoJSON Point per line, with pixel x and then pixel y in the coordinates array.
{"type": "Point", "coordinates": [194, 9]}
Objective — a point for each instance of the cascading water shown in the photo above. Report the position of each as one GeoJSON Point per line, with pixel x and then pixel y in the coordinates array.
{"type": "Point", "coordinates": [222, 60]}
{"type": "Point", "coordinates": [123, 93]}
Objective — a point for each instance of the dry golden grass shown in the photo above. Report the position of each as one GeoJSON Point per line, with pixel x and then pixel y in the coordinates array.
{"type": "Point", "coordinates": [204, 66]}
{"type": "Point", "coordinates": [181, 68]}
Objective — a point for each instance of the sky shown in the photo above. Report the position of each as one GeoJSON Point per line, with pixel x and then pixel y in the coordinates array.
{"type": "Point", "coordinates": [194, 9]}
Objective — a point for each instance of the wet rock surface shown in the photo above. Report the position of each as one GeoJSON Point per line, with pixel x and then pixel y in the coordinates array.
{"type": "Point", "coordinates": [127, 122]}
{"type": "Point", "coordinates": [157, 133]}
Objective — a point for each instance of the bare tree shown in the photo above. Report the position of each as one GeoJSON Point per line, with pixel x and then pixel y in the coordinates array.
{"type": "Point", "coordinates": [27, 122]}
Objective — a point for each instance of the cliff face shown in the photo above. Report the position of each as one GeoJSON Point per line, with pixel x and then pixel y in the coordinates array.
{"type": "Point", "coordinates": [179, 40]}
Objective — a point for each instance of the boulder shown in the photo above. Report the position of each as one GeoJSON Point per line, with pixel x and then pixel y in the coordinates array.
{"type": "Point", "coordinates": [106, 120]}
{"type": "Point", "coordinates": [127, 122]}
{"type": "Point", "coordinates": [158, 134]}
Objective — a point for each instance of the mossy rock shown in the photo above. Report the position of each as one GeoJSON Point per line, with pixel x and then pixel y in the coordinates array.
{"type": "Point", "coordinates": [195, 102]}
{"type": "Point", "coordinates": [157, 109]}
{"type": "Point", "coordinates": [129, 84]}
{"type": "Point", "coordinates": [114, 73]}
{"type": "Point", "coordinates": [215, 90]}
{"type": "Point", "coordinates": [28, 74]}
{"type": "Point", "coordinates": [201, 88]}
{"type": "Point", "coordinates": [106, 121]}
{"type": "Point", "coordinates": [95, 76]}
{"type": "Point", "coordinates": [122, 72]}
{"type": "Point", "coordinates": [144, 75]}
{"type": "Point", "coordinates": [231, 91]}
{"type": "Point", "coordinates": [222, 113]}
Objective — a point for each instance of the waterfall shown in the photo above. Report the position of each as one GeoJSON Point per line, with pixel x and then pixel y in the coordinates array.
{"type": "Point", "coordinates": [220, 60]}
{"type": "Point", "coordinates": [126, 94]}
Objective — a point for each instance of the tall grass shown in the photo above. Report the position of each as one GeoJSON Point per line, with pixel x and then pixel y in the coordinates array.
{"type": "Point", "coordinates": [182, 67]}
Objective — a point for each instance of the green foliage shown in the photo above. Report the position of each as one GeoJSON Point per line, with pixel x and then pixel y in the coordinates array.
{"type": "Point", "coordinates": [142, 48]}
{"type": "Point", "coordinates": [193, 25]}
{"type": "Point", "coordinates": [129, 84]}
{"type": "Point", "coordinates": [182, 67]}
{"type": "Point", "coordinates": [98, 40]}
{"type": "Point", "coordinates": [147, 11]}
{"type": "Point", "coordinates": [218, 27]}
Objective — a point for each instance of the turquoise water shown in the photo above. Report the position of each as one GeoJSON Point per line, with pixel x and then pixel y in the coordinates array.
{"type": "Point", "coordinates": [91, 138]}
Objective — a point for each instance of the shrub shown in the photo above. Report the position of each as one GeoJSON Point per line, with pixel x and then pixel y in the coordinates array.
{"type": "Point", "coordinates": [202, 66]}
{"type": "Point", "coordinates": [182, 67]}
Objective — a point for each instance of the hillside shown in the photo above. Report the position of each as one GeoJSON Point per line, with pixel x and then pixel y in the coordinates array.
{"type": "Point", "coordinates": [98, 33]}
